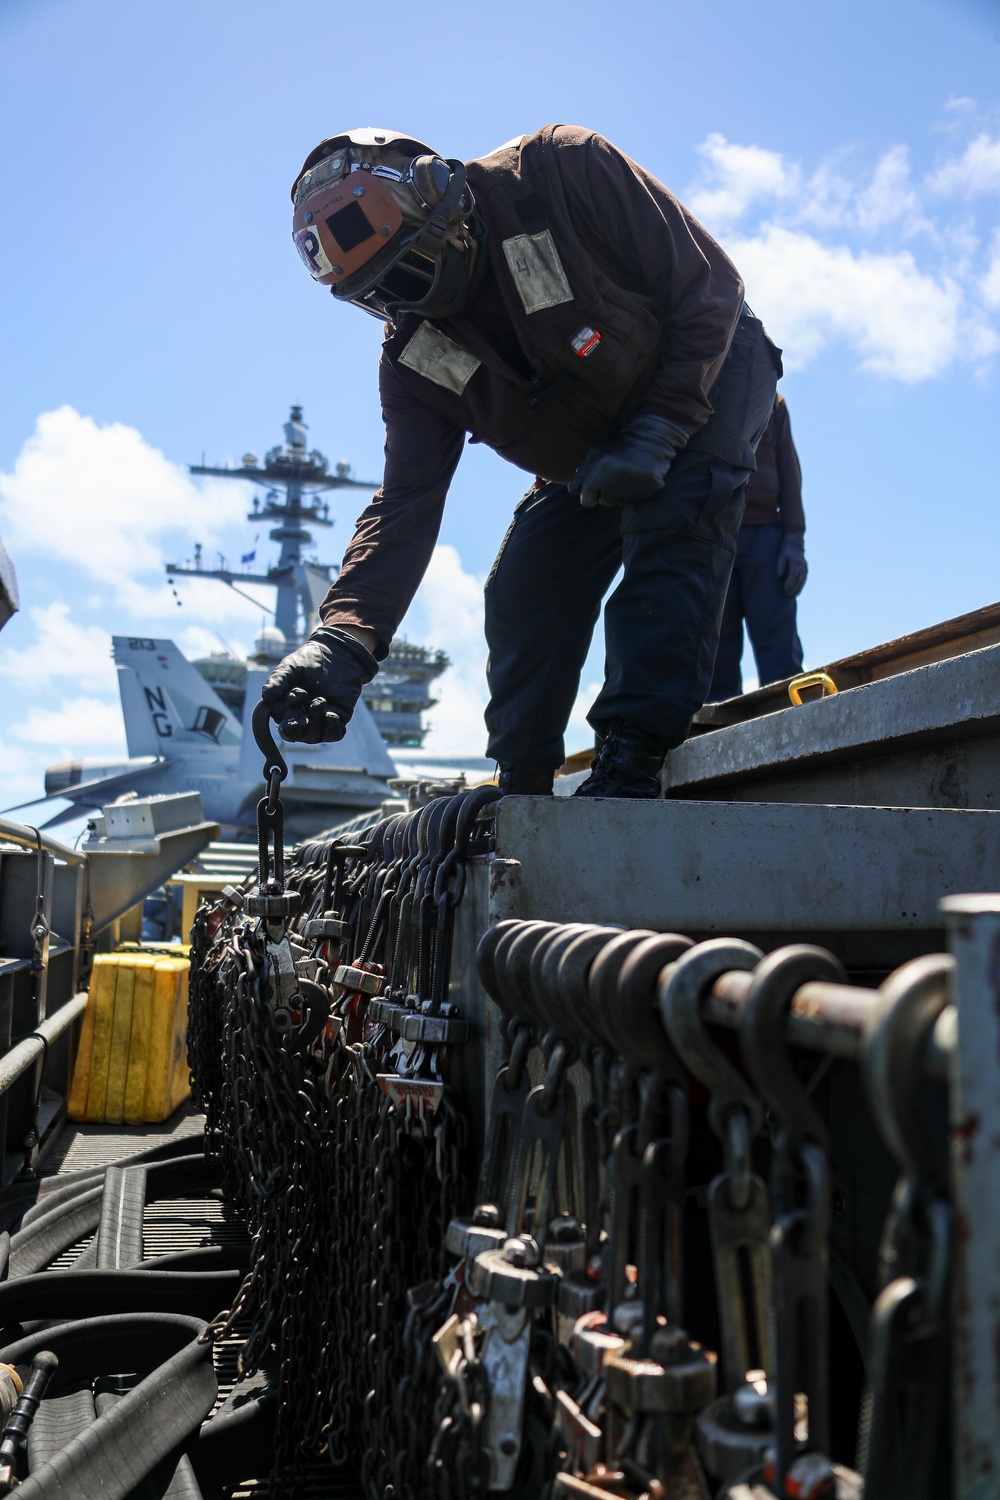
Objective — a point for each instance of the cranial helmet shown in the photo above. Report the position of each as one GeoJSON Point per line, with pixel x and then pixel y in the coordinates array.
{"type": "Point", "coordinates": [384, 222]}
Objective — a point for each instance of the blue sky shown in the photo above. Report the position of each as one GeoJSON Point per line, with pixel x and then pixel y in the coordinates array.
{"type": "Point", "coordinates": [847, 155]}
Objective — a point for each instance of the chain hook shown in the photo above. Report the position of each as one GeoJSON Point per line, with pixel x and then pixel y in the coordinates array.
{"type": "Point", "coordinates": [910, 1002]}
{"type": "Point", "coordinates": [762, 1035]}
{"type": "Point", "coordinates": [274, 761]}
{"type": "Point", "coordinates": [270, 814]}
{"type": "Point", "coordinates": [683, 986]}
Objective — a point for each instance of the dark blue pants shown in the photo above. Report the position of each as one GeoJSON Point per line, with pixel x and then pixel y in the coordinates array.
{"type": "Point", "coordinates": [757, 597]}
{"type": "Point", "coordinates": [661, 624]}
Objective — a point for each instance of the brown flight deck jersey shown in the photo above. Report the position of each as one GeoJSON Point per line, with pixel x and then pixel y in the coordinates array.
{"type": "Point", "coordinates": [774, 490]}
{"type": "Point", "coordinates": [605, 298]}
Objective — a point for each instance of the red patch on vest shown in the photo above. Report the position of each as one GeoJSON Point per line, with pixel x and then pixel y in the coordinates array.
{"type": "Point", "coordinates": [585, 341]}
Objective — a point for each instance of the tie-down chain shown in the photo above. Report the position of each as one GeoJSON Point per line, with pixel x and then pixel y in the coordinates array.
{"type": "Point", "coordinates": [540, 1336]}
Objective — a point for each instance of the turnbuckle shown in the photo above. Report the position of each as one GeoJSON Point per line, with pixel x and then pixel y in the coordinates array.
{"type": "Point", "coordinates": [676, 1376]}
{"type": "Point", "coordinates": [327, 929]}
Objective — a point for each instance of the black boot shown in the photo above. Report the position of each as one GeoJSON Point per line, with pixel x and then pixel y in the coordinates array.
{"type": "Point", "coordinates": [525, 781]}
{"type": "Point", "coordinates": [627, 763]}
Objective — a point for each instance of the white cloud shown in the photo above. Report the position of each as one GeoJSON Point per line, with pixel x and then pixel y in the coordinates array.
{"type": "Point", "coordinates": [196, 641]}
{"type": "Point", "coordinates": [447, 613]}
{"type": "Point", "coordinates": [105, 501]}
{"type": "Point", "coordinates": [22, 778]}
{"type": "Point", "coordinates": [890, 198]}
{"type": "Point", "coordinates": [990, 287]}
{"type": "Point", "coordinates": [976, 171]}
{"type": "Point", "coordinates": [61, 649]}
{"type": "Point", "coordinates": [204, 598]}
{"type": "Point", "coordinates": [735, 176]}
{"type": "Point", "coordinates": [904, 323]}
{"type": "Point", "coordinates": [860, 259]}
{"type": "Point", "coordinates": [77, 724]}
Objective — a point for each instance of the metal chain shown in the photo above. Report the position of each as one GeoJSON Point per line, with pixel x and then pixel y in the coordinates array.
{"type": "Point", "coordinates": [339, 1142]}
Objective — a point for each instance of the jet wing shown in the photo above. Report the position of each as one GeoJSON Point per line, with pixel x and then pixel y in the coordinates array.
{"type": "Point", "coordinates": [65, 816]}
{"type": "Point", "coordinates": [93, 793]}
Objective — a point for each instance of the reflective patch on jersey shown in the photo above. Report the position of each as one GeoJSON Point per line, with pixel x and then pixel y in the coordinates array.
{"type": "Point", "coordinates": [585, 341]}
{"type": "Point", "coordinates": [434, 355]}
{"type": "Point", "coordinates": [537, 270]}
{"type": "Point", "coordinates": [314, 257]}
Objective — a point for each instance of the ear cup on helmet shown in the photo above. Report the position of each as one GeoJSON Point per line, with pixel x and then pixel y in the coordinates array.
{"type": "Point", "coordinates": [430, 176]}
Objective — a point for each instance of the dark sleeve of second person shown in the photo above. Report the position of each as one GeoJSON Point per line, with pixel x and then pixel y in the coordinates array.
{"type": "Point", "coordinates": [789, 474]}
{"type": "Point", "coordinates": [395, 535]}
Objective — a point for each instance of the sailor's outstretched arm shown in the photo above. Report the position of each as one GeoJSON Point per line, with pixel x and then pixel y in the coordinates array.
{"type": "Point", "coordinates": [313, 691]}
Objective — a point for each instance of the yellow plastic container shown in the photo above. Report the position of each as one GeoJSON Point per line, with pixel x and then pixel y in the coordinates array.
{"type": "Point", "coordinates": [134, 1100]}
{"type": "Point", "coordinates": [131, 1064]}
{"type": "Point", "coordinates": [168, 1082]}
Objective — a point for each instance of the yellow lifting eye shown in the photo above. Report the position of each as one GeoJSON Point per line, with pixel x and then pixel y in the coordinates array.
{"type": "Point", "coordinates": [808, 680]}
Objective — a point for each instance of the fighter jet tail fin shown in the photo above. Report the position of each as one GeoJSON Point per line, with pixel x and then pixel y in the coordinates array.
{"type": "Point", "coordinates": [166, 702]}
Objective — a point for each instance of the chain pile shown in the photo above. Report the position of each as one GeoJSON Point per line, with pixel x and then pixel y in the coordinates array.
{"type": "Point", "coordinates": [207, 999]}
{"type": "Point", "coordinates": [326, 1083]}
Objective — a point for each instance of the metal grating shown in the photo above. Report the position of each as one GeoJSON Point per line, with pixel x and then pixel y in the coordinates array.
{"type": "Point", "coordinates": [189, 1224]}
{"type": "Point", "coordinates": [83, 1146]}
{"type": "Point", "coordinates": [69, 1258]}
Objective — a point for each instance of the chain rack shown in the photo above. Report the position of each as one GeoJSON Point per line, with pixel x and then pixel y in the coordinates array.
{"type": "Point", "coordinates": [650, 1191]}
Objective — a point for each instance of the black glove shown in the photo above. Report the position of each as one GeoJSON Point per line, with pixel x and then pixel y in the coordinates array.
{"type": "Point", "coordinates": [792, 568]}
{"type": "Point", "coordinates": [633, 465]}
{"type": "Point", "coordinates": [313, 692]}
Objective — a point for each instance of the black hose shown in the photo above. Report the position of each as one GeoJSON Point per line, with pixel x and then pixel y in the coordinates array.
{"type": "Point", "coordinates": [119, 1235]}
{"type": "Point", "coordinates": [48, 1236]}
{"type": "Point", "coordinates": [58, 1420]}
{"type": "Point", "coordinates": [180, 1484]}
{"type": "Point", "coordinates": [98, 1294]}
{"type": "Point", "coordinates": [52, 1211]}
{"type": "Point", "coordinates": [38, 1246]}
{"type": "Point", "coordinates": [201, 1258]}
{"type": "Point", "coordinates": [238, 1439]}
{"type": "Point", "coordinates": [53, 1202]}
{"type": "Point", "coordinates": [173, 1478]}
{"type": "Point", "coordinates": [23, 1200]}
{"type": "Point", "coordinates": [89, 1347]}
{"type": "Point", "coordinates": [123, 1445]}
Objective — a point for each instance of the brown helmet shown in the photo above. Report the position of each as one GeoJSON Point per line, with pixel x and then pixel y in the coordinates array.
{"type": "Point", "coordinates": [383, 221]}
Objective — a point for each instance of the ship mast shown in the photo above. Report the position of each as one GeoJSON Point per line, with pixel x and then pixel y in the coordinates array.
{"type": "Point", "coordinates": [293, 477]}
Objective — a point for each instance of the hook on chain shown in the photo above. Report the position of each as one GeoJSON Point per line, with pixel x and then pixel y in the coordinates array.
{"type": "Point", "coordinates": [275, 765]}
{"type": "Point", "coordinates": [270, 821]}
